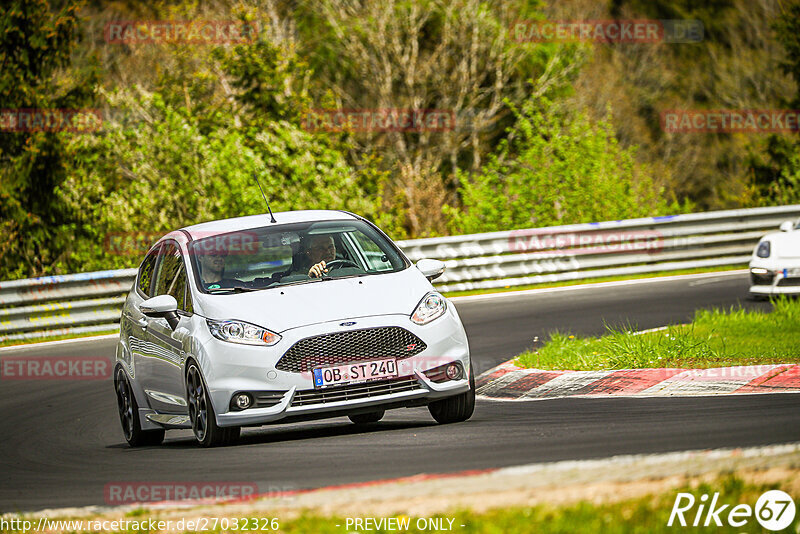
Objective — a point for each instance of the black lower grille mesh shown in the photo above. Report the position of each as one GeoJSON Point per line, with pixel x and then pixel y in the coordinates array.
{"type": "Point", "coordinates": [354, 391]}
{"type": "Point", "coordinates": [268, 399]}
{"type": "Point", "coordinates": [351, 346]}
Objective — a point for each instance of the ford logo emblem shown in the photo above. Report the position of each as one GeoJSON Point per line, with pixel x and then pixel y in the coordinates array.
{"type": "Point", "coordinates": [348, 323]}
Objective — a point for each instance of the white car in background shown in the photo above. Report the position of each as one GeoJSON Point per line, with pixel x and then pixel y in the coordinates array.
{"type": "Point", "coordinates": [228, 325]}
{"type": "Point", "coordinates": [775, 265]}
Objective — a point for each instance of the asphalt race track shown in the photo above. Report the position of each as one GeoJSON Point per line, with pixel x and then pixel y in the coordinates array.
{"type": "Point", "coordinates": [62, 443]}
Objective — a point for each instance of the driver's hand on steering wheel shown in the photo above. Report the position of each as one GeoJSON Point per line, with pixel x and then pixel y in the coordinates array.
{"type": "Point", "coordinates": [316, 271]}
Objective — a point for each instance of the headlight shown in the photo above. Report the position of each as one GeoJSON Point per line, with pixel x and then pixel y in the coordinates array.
{"type": "Point", "coordinates": [431, 307]}
{"type": "Point", "coordinates": [763, 249]}
{"type": "Point", "coordinates": [240, 332]}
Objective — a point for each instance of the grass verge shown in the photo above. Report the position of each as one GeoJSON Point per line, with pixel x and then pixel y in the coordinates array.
{"type": "Point", "coordinates": [17, 342]}
{"type": "Point", "coordinates": [714, 338]}
{"type": "Point", "coordinates": [544, 285]}
{"type": "Point", "coordinates": [648, 513]}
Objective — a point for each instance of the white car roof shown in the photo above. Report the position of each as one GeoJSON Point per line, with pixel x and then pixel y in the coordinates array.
{"type": "Point", "coordinates": [199, 231]}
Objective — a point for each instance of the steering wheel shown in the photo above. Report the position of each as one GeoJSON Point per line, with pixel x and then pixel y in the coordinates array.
{"type": "Point", "coordinates": [338, 264]}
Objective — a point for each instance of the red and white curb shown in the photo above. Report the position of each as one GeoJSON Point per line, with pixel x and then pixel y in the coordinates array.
{"type": "Point", "coordinates": [509, 382]}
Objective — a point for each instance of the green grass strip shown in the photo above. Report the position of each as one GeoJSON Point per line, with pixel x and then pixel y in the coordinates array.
{"type": "Point", "coordinates": [60, 337]}
{"type": "Point", "coordinates": [715, 338]}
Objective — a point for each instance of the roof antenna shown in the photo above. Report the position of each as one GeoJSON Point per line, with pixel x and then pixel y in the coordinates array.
{"type": "Point", "coordinates": [272, 217]}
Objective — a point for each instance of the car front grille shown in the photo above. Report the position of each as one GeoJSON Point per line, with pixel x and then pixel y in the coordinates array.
{"type": "Point", "coordinates": [791, 282]}
{"type": "Point", "coordinates": [762, 279]}
{"type": "Point", "coordinates": [268, 399]}
{"type": "Point", "coordinates": [355, 391]}
{"type": "Point", "coordinates": [352, 346]}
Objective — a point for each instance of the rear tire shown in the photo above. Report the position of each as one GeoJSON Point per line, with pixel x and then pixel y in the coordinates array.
{"type": "Point", "coordinates": [201, 413]}
{"type": "Point", "coordinates": [455, 409]}
{"type": "Point", "coordinates": [366, 418]}
{"type": "Point", "coordinates": [129, 415]}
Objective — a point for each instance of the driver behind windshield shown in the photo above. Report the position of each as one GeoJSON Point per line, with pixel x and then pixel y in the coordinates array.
{"type": "Point", "coordinates": [320, 250]}
{"type": "Point", "coordinates": [212, 269]}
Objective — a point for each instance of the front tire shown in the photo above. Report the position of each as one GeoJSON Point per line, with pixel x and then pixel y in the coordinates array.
{"type": "Point", "coordinates": [366, 418]}
{"type": "Point", "coordinates": [129, 415]}
{"type": "Point", "coordinates": [201, 413]}
{"type": "Point", "coordinates": [455, 409]}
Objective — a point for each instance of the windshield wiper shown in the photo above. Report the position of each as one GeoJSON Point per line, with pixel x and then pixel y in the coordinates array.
{"type": "Point", "coordinates": [237, 289]}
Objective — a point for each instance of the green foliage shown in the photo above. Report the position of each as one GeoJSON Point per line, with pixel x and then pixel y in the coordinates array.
{"type": "Point", "coordinates": [556, 168]}
{"type": "Point", "coordinates": [165, 172]}
{"type": "Point", "coordinates": [181, 155]}
{"type": "Point", "coordinates": [775, 165]}
{"type": "Point", "coordinates": [35, 46]}
{"type": "Point", "coordinates": [263, 76]}
{"type": "Point", "coordinates": [187, 124]}
{"type": "Point", "coordinates": [787, 29]}
{"type": "Point", "coordinates": [786, 189]}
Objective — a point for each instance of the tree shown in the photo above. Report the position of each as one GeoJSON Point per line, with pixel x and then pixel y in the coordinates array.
{"type": "Point", "coordinates": [557, 168]}
{"type": "Point", "coordinates": [35, 51]}
{"type": "Point", "coordinates": [168, 165]}
{"type": "Point", "coordinates": [458, 56]}
{"type": "Point", "coordinates": [776, 169]}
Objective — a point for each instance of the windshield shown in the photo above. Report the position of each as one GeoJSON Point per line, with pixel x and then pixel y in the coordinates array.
{"type": "Point", "coordinates": [274, 256]}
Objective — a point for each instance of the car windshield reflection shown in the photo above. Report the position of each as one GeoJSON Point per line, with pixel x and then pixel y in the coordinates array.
{"type": "Point", "coordinates": [269, 257]}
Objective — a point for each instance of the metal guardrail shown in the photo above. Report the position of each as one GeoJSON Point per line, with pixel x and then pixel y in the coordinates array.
{"type": "Point", "coordinates": [91, 302]}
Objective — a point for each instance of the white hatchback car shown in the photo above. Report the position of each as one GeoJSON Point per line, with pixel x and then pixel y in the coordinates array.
{"type": "Point", "coordinates": [243, 322]}
{"type": "Point", "coordinates": [775, 266]}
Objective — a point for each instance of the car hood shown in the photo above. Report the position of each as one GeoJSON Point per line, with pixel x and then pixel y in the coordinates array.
{"type": "Point", "coordinates": [283, 308]}
{"type": "Point", "coordinates": [784, 244]}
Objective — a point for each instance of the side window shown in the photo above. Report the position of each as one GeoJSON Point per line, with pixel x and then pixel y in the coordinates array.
{"type": "Point", "coordinates": [145, 278]}
{"type": "Point", "coordinates": [171, 277]}
{"type": "Point", "coordinates": [376, 258]}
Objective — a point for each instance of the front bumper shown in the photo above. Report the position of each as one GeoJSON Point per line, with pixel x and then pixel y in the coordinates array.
{"type": "Point", "coordinates": [775, 282]}
{"type": "Point", "coordinates": [230, 369]}
{"type": "Point", "coordinates": [425, 389]}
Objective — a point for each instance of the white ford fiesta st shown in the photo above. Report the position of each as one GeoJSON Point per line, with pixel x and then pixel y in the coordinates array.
{"type": "Point", "coordinates": [775, 265]}
{"type": "Point", "coordinates": [246, 321]}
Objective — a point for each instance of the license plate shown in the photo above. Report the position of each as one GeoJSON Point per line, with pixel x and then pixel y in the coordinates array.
{"type": "Point", "coordinates": [354, 373]}
{"type": "Point", "coordinates": [793, 273]}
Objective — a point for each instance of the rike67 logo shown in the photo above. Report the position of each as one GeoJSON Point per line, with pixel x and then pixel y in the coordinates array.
{"type": "Point", "coordinates": [774, 510]}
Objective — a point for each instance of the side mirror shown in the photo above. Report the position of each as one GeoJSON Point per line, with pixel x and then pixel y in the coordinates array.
{"type": "Point", "coordinates": [787, 226]}
{"type": "Point", "coordinates": [432, 269]}
{"type": "Point", "coordinates": [162, 306]}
